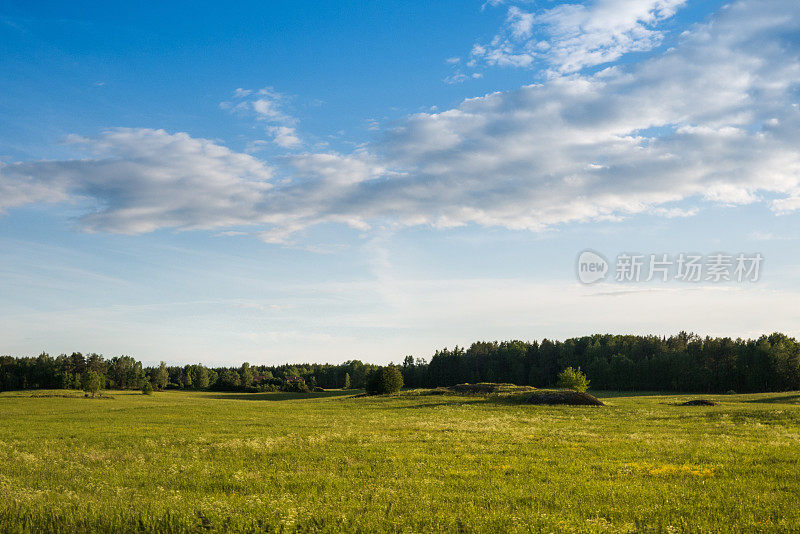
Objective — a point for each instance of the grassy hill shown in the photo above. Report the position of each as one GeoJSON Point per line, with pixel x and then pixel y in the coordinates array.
{"type": "Point", "coordinates": [200, 462]}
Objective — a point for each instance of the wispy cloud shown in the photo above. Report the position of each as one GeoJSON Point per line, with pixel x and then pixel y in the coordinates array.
{"type": "Point", "coordinates": [268, 107]}
{"type": "Point", "coordinates": [461, 77]}
{"type": "Point", "coordinates": [570, 37]}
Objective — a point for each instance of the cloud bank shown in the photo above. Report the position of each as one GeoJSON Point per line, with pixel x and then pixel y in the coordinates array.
{"type": "Point", "coordinates": [715, 119]}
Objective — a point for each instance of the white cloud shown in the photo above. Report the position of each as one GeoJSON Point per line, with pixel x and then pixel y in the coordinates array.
{"type": "Point", "coordinates": [786, 205]}
{"type": "Point", "coordinates": [285, 136]}
{"type": "Point", "coordinates": [19, 187]}
{"type": "Point", "coordinates": [570, 37]}
{"type": "Point", "coordinates": [673, 213]}
{"type": "Point", "coordinates": [337, 169]}
{"type": "Point", "coordinates": [692, 124]}
{"type": "Point", "coordinates": [142, 180]}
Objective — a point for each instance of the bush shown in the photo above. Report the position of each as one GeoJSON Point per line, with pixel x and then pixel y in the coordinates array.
{"type": "Point", "coordinates": [574, 379]}
{"type": "Point", "coordinates": [387, 379]}
{"type": "Point", "coordinates": [147, 388]}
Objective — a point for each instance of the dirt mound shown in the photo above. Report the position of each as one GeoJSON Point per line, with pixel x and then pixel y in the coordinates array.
{"type": "Point", "coordinates": [575, 398]}
{"type": "Point", "coordinates": [698, 402]}
{"type": "Point", "coordinates": [485, 388]}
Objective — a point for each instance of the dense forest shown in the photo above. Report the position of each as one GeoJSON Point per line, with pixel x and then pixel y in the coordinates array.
{"type": "Point", "coordinates": [683, 362]}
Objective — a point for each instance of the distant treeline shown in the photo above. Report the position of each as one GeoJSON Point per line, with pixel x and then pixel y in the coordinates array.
{"type": "Point", "coordinates": [684, 362]}
{"type": "Point", "coordinates": [124, 372]}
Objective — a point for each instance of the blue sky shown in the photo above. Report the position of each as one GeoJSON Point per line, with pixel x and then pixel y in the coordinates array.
{"type": "Point", "coordinates": [286, 181]}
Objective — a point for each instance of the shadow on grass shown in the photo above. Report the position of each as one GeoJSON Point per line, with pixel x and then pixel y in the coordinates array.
{"type": "Point", "coordinates": [459, 402]}
{"type": "Point", "coordinates": [784, 399]}
{"type": "Point", "coordinates": [99, 396]}
{"type": "Point", "coordinates": [602, 394]}
{"type": "Point", "coordinates": [435, 400]}
{"type": "Point", "coordinates": [282, 395]}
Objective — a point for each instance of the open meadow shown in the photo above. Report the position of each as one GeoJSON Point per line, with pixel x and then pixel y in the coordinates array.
{"type": "Point", "coordinates": [202, 461]}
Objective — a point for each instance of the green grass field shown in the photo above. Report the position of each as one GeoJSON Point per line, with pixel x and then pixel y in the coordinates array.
{"type": "Point", "coordinates": [180, 461]}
